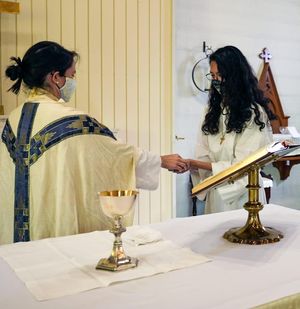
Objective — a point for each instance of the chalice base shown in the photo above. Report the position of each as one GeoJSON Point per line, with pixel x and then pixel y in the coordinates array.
{"type": "Point", "coordinates": [112, 265]}
{"type": "Point", "coordinates": [253, 235]}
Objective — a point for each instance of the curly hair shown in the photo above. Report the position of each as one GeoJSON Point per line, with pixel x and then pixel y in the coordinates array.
{"type": "Point", "coordinates": [240, 93]}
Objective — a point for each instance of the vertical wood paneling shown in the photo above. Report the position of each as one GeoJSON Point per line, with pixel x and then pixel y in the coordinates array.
{"type": "Point", "coordinates": [144, 96]}
{"type": "Point", "coordinates": [39, 27]}
{"type": "Point", "coordinates": [24, 27]}
{"type": "Point", "coordinates": [154, 92]}
{"type": "Point", "coordinates": [53, 20]}
{"type": "Point", "coordinates": [120, 82]}
{"type": "Point", "coordinates": [82, 46]}
{"type": "Point", "coordinates": [8, 49]}
{"type": "Point", "coordinates": [132, 90]}
{"type": "Point", "coordinates": [123, 73]}
{"type": "Point", "coordinates": [132, 55]}
{"type": "Point", "coordinates": [108, 66]}
{"type": "Point", "coordinates": [68, 23]}
{"type": "Point", "coordinates": [68, 30]}
{"type": "Point", "coordinates": [95, 56]}
{"type": "Point", "coordinates": [24, 37]}
{"type": "Point", "coordinates": [166, 205]}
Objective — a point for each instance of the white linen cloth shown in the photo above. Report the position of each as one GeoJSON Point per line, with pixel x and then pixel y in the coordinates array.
{"type": "Point", "coordinates": [141, 235]}
{"type": "Point", "coordinates": [239, 276]}
{"type": "Point", "coordinates": [56, 267]}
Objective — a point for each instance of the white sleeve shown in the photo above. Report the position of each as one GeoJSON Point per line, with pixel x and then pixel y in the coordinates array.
{"type": "Point", "coordinates": [202, 154]}
{"type": "Point", "coordinates": [202, 150]}
{"type": "Point", "coordinates": [147, 170]}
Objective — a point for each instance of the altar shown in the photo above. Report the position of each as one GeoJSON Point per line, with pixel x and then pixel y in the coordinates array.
{"type": "Point", "coordinates": [238, 276]}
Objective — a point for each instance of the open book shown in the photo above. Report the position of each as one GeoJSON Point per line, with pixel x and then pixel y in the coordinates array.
{"type": "Point", "coordinates": [259, 158]}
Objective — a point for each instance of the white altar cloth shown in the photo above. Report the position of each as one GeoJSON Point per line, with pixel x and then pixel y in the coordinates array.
{"type": "Point", "coordinates": [239, 276]}
{"type": "Point", "coordinates": [61, 266]}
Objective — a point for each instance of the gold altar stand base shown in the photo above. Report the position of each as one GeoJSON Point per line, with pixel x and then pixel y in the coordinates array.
{"type": "Point", "coordinates": [253, 233]}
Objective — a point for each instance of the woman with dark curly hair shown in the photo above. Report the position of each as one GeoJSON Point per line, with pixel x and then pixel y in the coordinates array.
{"type": "Point", "coordinates": [235, 124]}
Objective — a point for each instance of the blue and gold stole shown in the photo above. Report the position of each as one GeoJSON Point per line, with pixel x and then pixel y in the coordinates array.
{"type": "Point", "coordinates": [26, 150]}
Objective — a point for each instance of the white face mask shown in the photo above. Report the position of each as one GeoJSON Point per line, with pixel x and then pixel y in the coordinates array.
{"type": "Point", "coordinates": [68, 89]}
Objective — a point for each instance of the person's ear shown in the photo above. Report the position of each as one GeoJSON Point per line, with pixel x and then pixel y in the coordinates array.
{"type": "Point", "coordinates": [55, 78]}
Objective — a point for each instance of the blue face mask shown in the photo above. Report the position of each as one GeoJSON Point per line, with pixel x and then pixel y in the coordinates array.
{"type": "Point", "coordinates": [67, 90]}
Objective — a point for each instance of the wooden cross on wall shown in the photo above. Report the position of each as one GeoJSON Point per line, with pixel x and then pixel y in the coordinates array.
{"type": "Point", "coordinates": [268, 86]}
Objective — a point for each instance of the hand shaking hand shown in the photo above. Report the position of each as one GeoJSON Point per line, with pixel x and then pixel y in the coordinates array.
{"type": "Point", "coordinates": [174, 163]}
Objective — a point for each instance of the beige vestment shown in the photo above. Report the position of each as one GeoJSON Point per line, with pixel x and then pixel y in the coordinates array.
{"type": "Point", "coordinates": [65, 179]}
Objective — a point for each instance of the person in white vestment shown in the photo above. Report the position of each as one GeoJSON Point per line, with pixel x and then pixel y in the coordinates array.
{"type": "Point", "coordinates": [235, 124]}
{"type": "Point", "coordinates": [54, 159]}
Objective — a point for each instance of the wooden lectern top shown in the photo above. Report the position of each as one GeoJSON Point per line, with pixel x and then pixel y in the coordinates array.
{"type": "Point", "coordinates": [259, 158]}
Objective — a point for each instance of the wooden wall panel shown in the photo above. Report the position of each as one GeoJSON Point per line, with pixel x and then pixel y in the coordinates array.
{"type": "Point", "coordinates": [132, 56]}
{"type": "Point", "coordinates": [68, 32]}
{"type": "Point", "coordinates": [53, 20]}
{"type": "Point", "coordinates": [108, 64]}
{"type": "Point", "coordinates": [39, 15]}
{"type": "Point", "coordinates": [82, 40]}
{"type": "Point", "coordinates": [95, 56]}
{"type": "Point", "coordinates": [166, 202]}
{"type": "Point", "coordinates": [123, 74]}
{"type": "Point", "coordinates": [154, 95]}
{"type": "Point", "coordinates": [132, 90]}
{"type": "Point", "coordinates": [68, 28]}
{"type": "Point", "coordinates": [120, 81]}
{"type": "Point", "coordinates": [8, 49]}
{"type": "Point", "coordinates": [144, 95]}
{"type": "Point", "coordinates": [24, 37]}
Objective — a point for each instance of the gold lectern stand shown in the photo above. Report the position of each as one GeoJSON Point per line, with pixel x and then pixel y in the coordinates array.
{"type": "Point", "coordinates": [253, 233]}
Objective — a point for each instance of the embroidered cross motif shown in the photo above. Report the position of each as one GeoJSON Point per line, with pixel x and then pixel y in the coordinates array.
{"type": "Point", "coordinates": [25, 150]}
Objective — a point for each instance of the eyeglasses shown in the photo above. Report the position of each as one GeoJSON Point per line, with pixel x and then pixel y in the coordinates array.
{"type": "Point", "coordinates": [211, 76]}
{"type": "Point", "coordinates": [72, 77]}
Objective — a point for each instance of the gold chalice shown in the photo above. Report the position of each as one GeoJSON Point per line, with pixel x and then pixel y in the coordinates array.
{"type": "Point", "coordinates": [117, 204]}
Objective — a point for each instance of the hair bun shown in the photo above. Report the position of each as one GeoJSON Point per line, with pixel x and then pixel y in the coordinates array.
{"type": "Point", "coordinates": [14, 71]}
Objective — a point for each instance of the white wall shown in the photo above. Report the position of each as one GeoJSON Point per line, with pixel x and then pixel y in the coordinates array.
{"type": "Point", "coordinates": [250, 25]}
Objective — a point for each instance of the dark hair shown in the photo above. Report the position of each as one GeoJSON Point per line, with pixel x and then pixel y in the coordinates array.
{"type": "Point", "coordinates": [240, 93]}
{"type": "Point", "coordinates": [39, 60]}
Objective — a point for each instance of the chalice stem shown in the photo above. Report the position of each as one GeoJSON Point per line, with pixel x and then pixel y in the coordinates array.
{"type": "Point", "coordinates": [118, 255]}
{"type": "Point", "coordinates": [118, 250]}
{"type": "Point", "coordinates": [116, 204]}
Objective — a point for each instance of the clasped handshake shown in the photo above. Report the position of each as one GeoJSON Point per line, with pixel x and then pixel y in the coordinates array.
{"type": "Point", "coordinates": [175, 163]}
